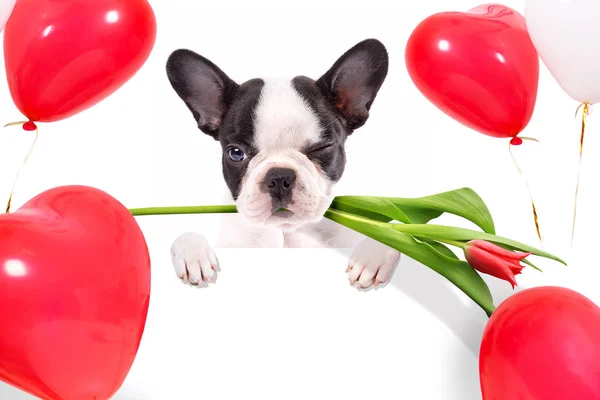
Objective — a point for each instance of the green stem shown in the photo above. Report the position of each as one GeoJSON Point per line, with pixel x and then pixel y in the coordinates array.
{"type": "Point", "coordinates": [223, 209]}
{"type": "Point", "coordinates": [232, 209]}
{"type": "Point", "coordinates": [454, 243]}
{"type": "Point", "coordinates": [332, 213]}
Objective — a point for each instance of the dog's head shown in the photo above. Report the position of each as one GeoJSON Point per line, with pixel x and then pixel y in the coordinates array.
{"type": "Point", "coordinates": [283, 140]}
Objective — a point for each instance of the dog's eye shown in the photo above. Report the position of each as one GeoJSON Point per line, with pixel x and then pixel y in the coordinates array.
{"type": "Point", "coordinates": [319, 148]}
{"type": "Point", "coordinates": [237, 155]}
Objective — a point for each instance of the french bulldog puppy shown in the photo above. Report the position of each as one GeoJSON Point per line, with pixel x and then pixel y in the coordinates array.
{"type": "Point", "coordinates": [283, 152]}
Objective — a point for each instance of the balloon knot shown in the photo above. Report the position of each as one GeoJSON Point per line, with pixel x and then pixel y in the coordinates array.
{"type": "Point", "coordinates": [29, 126]}
{"type": "Point", "coordinates": [516, 141]}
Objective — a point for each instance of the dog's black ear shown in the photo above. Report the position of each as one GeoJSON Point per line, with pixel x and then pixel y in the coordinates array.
{"type": "Point", "coordinates": [354, 80]}
{"type": "Point", "coordinates": [205, 89]}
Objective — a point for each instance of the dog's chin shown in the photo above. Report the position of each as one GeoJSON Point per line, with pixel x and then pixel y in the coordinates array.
{"type": "Point", "coordinates": [287, 219]}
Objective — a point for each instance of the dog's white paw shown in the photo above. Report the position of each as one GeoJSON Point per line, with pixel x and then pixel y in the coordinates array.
{"type": "Point", "coordinates": [372, 264]}
{"type": "Point", "coordinates": [194, 259]}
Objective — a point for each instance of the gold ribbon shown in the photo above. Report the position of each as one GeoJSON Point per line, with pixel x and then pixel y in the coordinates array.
{"type": "Point", "coordinates": [31, 125]}
{"type": "Point", "coordinates": [517, 141]}
{"type": "Point", "coordinates": [584, 115]}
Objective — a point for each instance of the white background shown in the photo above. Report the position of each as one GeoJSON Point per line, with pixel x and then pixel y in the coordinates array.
{"type": "Point", "coordinates": [285, 324]}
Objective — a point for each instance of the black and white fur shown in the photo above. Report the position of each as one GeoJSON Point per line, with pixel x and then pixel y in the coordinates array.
{"type": "Point", "coordinates": [283, 152]}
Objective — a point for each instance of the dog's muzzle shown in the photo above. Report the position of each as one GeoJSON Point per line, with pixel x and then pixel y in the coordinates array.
{"type": "Point", "coordinates": [279, 183]}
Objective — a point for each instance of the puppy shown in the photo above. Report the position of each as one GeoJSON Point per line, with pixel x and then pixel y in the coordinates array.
{"type": "Point", "coordinates": [283, 152]}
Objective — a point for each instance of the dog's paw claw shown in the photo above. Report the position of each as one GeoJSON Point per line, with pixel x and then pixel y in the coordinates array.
{"type": "Point", "coordinates": [372, 264]}
{"type": "Point", "coordinates": [194, 260]}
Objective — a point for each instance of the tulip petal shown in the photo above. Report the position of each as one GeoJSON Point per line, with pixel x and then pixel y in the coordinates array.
{"type": "Point", "coordinates": [522, 256]}
{"type": "Point", "coordinates": [516, 268]}
{"type": "Point", "coordinates": [499, 251]}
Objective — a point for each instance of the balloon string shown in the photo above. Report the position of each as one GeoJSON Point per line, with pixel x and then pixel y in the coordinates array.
{"type": "Point", "coordinates": [29, 126]}
{"type": "Point", "coordinates": [584, 115]}
{"type": "Point", "coordinates": [516, 142]}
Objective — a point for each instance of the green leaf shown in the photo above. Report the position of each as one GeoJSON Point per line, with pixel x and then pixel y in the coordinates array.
{"type": "Point", "coordinates": [433, 256]}
{"type": "Point", "coordinates": [439, 248]}
{"type": "Point", "coordinates": [376, 208]}
{"type": "Point", "coordinates": [532, 265]}
{"type": "Point", "coordinates": [464, 203]}
{"type": "Point", "coordinates": [442, 233]}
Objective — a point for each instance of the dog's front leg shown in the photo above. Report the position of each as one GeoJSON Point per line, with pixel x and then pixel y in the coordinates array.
{"type": "Point", "coordinates": [372, 264]}
{"type": "Point", "coordinates": [194, 260]}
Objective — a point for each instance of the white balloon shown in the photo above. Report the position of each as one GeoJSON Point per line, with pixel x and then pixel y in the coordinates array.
{"type": "Point", "coordinates": [566, 34]}
{"type": "Point", "coordinates": [6, 8]}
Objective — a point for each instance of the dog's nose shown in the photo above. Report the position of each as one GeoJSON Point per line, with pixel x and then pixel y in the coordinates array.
{"type": "Point", "coordinates": [279, 182]}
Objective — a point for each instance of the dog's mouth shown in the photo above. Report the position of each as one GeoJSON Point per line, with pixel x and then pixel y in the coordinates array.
{"type": "Point", "coordinates": [284, 219]}
{"type": "Point", "coordinates": [282, 212]}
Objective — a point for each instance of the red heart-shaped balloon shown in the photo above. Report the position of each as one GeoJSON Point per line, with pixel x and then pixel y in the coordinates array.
{"type": "Point", "coordinates": [542, 344]}
{"type": "Point", "coordinates": [74, 294]}
{"type": "Point", "coordinates": [480, 68]}
{"type": "Point", "coordinates": [63, 57]}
